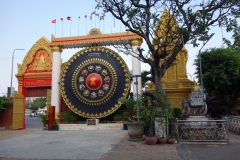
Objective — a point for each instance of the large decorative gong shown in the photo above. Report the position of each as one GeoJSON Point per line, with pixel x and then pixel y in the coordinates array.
{"type": "Point", "coordinates": [93, 80]}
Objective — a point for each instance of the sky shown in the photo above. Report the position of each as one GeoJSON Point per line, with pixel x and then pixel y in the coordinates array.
{"type": "Point", "coordinates": [24, 22]}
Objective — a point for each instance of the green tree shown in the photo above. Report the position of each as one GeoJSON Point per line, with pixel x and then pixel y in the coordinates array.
{"type": "Point", "coordinates": [145, 75]}
{"type": "Point", "coordinates": [28, 103]}
{"type": "Point", "coordinates": [38, 103]}
{"type": "Point", "coordinates": [3, 102]}
{"type": "Point", "coordinates": [221, 75]}
{"type": "Point", "coordinates": [235, 28]}
{"type": "Point", "coordinates": [195, 19]}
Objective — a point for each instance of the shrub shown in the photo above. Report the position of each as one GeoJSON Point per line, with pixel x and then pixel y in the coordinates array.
{"type": "Point", "coordinates": [44, 119]}
{"type": "Point", "coordinates": [68, 117]}
{"type": "Point", "coordinates": [122, 117]}
{"type": "Point", "coordinates": [177, 112]}
{"type": "Point", "coordinates": [3, 102]}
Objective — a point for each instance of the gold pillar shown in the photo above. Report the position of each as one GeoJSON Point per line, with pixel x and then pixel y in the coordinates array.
{"type": "Point", "coordinates": [56, 49]}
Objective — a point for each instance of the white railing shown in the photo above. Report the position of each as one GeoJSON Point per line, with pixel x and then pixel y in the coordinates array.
{"type": "Point", "coordinates": [202, 131]}
{"type": "Point", "coordinates": [233, 123]}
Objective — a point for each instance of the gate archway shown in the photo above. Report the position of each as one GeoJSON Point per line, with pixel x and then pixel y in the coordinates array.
{"type": "Point", "coordinates": [41, 66]}
{"type": "Point", "coordinates": [35, 73]}
{"type": "Point", "coordinates": [93, 39]}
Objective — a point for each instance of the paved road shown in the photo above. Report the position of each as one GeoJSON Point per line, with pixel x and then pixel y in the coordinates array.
{"type": "Point", "coordinates": [33, 143]}
{"type": "Point", "coordinates": [33, 122]}
{"type": "Point", "coordinates": [61, 144]}
{"type": "Point", "coordinates": [213, 151]}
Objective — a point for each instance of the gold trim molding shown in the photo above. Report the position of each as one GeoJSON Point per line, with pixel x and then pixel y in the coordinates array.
{"type": "Point", "coordinates": [94, 36]}
{"type": "Point", "coordinates": [136, 42]}
{"type": "Point", "coordinates": [56, 49]}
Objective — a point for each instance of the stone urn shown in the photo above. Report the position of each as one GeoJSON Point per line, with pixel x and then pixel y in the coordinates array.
{"type": "Point", "coordinates": [171, 140]}
{"type": "Point", "coordinates": [162, 140]}
{"type": "Point", "coordinates": [135, 131]}
{"type": "Point", "coordinates": [151, 140]}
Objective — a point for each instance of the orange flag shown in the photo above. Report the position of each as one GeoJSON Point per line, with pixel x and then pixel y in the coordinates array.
{"type": "Point", "coordinates": [54, 21]}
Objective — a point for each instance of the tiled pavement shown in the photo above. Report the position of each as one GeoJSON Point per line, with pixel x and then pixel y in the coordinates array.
{"type": "Point", "coordinates": [127, 150]}
{"type": "Point", "coordinates": [122, 149]}
{"type": "Point", "coordinates": [8, 134]}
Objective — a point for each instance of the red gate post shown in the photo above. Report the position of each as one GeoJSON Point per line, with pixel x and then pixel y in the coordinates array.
{"type": "Point", "coordinates": [51, 116]}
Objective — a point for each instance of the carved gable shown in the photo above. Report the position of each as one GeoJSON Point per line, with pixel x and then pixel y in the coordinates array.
{"type": "Point", "coordinates": [38, 58]}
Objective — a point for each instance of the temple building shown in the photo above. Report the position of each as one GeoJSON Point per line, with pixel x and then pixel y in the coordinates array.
{"type": "Point", "coordinates": [175, 81]}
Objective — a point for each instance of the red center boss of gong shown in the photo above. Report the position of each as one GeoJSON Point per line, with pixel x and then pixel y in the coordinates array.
{"type": "Point", "coordinates": [94, 81]}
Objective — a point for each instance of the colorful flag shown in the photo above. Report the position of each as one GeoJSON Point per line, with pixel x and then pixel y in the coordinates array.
{"type": "Point", "coordinates": [102, 17]}
{"type": "Point", "coordinates": [54, 21]}
{"type": "Point", "coordinates": [61, 19]}
{"type": "Point", "coordinates": [90, 17]}
{"type": "Point", "coordinates": [94, 12]}
{"type": "Point", "coordinates": [69, 18]}
{"type": "Point", "coordinates": [85, 16]}
{"type": "Point", "coordinates": [78, 17]}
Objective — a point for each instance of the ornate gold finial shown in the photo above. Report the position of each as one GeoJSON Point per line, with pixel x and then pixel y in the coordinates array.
{"type": "Point", "coordinates": [162, 32]}
{"type": "Point", "coordinates": [136, 42]}
{"type": "Point", "coordinates": [94, 32]}
{"type": "Point", "coordinates": [196, 86]}
{"type": "Point", "coordinates": [57, 49]}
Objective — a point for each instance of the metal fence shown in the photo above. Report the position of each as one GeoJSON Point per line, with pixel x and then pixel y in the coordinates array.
{"type": "Point", "coordinates": [233, 123]}
{"type": "Point", "coordinates": [207, 131]}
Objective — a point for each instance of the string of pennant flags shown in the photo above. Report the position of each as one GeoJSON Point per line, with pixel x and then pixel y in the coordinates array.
{"type": "Point", "coordinates": [70, 18]}
{"type": "Point", "coordinates": [101, 17]}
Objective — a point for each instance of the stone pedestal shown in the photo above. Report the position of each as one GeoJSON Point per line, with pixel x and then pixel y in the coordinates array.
{"type": "Point", "coordinates": [92, 122]}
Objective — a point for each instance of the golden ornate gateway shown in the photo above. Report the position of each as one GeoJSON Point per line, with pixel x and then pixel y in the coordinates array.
{"type": "Point", "coordinates": [35, 73]}
{"type": "Point", "coordinates": [94, 39]}
{"type": "Point", "coordinates": [36, 70]}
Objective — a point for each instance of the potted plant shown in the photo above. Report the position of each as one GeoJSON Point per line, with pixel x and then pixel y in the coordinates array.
{"type": "Point", "coordinates": [130, 104]}
{"type": "Point", "coordinates": [135, 127]}
{"type": "Point", "coordinates": [44, 120]}
{"type": "Point", "coordinates": [54, 126]}
{"type": "Point", "coordinates": [154, 108]}
{"type": "Point", "coordinates": [172, 137]}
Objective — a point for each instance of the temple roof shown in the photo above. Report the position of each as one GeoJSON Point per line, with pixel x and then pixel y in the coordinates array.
{"type": "Point", "coordinates": [94, 37]}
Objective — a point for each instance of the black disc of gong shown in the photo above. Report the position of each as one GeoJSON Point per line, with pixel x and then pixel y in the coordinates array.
{"type": "Point", "coordinates": [93, 80]}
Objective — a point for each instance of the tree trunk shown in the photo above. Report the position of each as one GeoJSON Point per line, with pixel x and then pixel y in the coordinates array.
{"type": "Point", "coordinates": [158, 84]}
